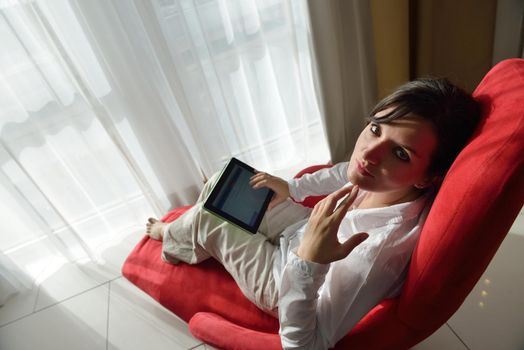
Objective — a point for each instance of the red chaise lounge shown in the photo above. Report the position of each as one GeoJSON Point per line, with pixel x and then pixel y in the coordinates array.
{"type": "Point", "coordinates": [475, 208]}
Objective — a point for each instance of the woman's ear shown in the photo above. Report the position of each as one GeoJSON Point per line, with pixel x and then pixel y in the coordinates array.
{"type": "Point", "coordinates": [421, 186]}
{"type": "Point", "coordinates": [428, 182]}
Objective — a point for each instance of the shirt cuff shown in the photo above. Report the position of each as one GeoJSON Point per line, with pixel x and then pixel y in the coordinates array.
{"type": "Point", "coordinates": [293, 189]}
{"type": "Point", "coordinates": [307, 268]}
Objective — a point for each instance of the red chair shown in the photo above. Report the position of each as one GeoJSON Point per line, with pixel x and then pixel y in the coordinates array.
{"type": "Point", "coordinates": [472, 213]}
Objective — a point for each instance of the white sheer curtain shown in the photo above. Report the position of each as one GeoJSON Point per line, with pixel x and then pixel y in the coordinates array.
{"type": "Point", "coordinates": [113, 111]}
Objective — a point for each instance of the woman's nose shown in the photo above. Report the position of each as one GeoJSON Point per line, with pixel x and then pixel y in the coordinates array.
{"type": "Point", "coordinates": [374, 153]}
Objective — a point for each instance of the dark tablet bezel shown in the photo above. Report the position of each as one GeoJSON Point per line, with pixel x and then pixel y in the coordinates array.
{"type": "Point", "coordinates": [216, 190]}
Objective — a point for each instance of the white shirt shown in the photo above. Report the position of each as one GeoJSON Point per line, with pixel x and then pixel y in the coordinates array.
{"type": "Point", "coordinates": [319, 304]}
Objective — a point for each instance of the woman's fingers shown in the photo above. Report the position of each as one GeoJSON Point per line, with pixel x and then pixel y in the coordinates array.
{"type": "Point", "coordinates": [352, 243]}
{"type": "Point", "coordinates": [344, 206]}
{"type": "Point", "coordinates": [258, 174]}
{"type": "Point", "coordinates": [327, 205]}
{"type": "Point", "coordinates": [335, 197]}
{"type": "Point", "coordinates": [274, 183]}
{"type": "Point", "coordinates": [261, 179]}
{"type": "Point", "coordinates": [259, 183]}
{"type": "Point", "coordinates": [258, 180]}
{"type": "Point", "coordinates": [347, 201]}
{"type": "Point", "coordinates": [254, 177]}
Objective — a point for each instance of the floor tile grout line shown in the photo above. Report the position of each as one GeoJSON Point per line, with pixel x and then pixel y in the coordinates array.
{"type": "Point", "coordinates": [108, 308]}
{"type": "Point", "coordinates": [197, 346]}
{"type": "Point", "coordinates": [36, 300]}
{"type": "Point", "coordinates": [77, 294]}
{"type": "Point", "coordinates": [456, 335]}
{"type": "Point", "coordinates": [58, 302]}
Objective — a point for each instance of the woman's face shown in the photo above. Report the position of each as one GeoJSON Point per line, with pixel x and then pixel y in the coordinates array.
{"type": "Point", "coordinates": [393, 158]}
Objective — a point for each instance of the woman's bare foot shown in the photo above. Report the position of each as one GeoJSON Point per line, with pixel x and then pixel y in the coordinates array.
{"type": "Point", "coordinates": [155, 228]}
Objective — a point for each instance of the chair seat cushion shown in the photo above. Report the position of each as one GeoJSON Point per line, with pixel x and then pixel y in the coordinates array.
{"type": "Point", "coordinates": [187, 289]}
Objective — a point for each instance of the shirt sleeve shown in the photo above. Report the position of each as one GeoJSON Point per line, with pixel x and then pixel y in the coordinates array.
{"type": "Point", "coordinates": [319, 304]}
{"type": "Point", "coordinates": [298, 297]}
{"type": "Point", "coordinates": [321, 182]}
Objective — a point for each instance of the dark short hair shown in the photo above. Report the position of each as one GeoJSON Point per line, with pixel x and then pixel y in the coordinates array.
{"type": "Point", "coordinates": [453, 113]}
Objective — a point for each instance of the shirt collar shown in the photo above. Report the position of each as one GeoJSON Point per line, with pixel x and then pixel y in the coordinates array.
{"type": "Point", "coordinates": [377, 217]}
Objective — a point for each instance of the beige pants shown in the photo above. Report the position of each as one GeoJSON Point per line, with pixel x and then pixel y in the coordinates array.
{"type": "Point", "coordinates": [198, 235]}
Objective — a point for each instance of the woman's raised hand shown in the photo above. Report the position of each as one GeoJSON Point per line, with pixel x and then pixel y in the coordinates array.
{"type": "Point", "coordinates": [320, 243]}
{"type": "Point", "coordinates": [278, 185]}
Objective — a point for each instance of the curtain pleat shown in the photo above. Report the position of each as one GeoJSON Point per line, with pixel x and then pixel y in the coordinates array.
{"type": "Point", "coordinates": [114, 111]}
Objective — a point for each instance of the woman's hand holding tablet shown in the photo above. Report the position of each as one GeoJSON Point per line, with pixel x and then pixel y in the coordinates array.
{"type": "Point", "coordinates": [278, 185]}
{"type": "Point", "coordinates": [234, 199]}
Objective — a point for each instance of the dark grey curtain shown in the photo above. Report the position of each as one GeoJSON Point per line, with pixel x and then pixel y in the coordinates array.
{"type": "Point", "coordinates": [345, 69]}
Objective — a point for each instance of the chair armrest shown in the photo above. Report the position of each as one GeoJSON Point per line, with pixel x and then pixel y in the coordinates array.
{"type": "Point", "coordinates": [223, 334]}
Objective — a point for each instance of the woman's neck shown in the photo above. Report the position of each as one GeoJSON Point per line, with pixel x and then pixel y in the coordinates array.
{"type": "Point", "coordinates": [381, 200]}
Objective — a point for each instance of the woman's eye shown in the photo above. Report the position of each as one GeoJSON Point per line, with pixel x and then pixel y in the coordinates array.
{"type": "Point", "coordinates": [375, 129]}
{"type": "Point", "coordinates": [401, 154]}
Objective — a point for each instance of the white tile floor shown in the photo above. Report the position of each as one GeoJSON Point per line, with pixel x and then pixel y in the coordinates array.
{"type": "Point", "coordinates": [93, 307]}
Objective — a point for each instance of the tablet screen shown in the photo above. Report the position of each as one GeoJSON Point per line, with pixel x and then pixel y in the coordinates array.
{"type": "Point", "coordinates": [235, 200]}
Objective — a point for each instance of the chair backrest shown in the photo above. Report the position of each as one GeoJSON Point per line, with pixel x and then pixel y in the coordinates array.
{"type": "Point", "coordinates": [480, 198]}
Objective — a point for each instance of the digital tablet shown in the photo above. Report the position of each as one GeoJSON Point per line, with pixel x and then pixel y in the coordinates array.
{"type": "Point", "coordinates": [234, 200]}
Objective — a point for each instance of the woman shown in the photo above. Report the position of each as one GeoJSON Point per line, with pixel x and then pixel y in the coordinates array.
{"type": "Point", "coordinates": [321, 270]}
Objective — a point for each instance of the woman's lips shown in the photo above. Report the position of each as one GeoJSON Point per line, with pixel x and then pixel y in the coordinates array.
{"type": "Point", "coordinates": [362, 170]}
